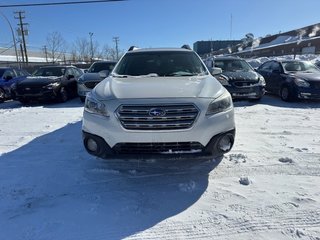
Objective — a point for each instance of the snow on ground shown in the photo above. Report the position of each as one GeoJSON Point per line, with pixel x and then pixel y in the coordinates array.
{"type": "Point", "coordinates": [267, 187]}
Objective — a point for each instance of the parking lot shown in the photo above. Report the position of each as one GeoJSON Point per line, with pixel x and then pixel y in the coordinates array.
{"type": "Point", "coordinates": [51, 188]}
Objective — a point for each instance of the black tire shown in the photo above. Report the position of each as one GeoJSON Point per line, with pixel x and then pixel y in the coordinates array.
{"type": "Point", "coordinates": [63, 95]}
{"type": "Point", "coordinates": [286, 94]}
{"type": "Point", "coordinates": [82, 99]}
{"type": "Point", "coordinates": [2, 95]}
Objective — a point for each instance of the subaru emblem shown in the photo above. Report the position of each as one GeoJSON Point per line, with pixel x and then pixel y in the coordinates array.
{"type": "Point", "coordinates": [157, 112]}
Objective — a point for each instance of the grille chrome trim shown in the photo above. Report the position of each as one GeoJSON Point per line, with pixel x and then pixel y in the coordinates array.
{"type": "Point", "coordinates": [177, 116]}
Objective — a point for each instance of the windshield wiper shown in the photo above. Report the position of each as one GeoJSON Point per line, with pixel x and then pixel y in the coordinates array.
{"type": "Point", "coordinates": [180, 74]}
{"type": "Point", "coordinates": [119, 76]}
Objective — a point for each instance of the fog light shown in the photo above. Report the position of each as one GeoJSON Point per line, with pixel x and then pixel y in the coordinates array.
{"type": "Point", "coordinates": [92, 145]}
{"type": "Point", "coordinates": [225, 143]}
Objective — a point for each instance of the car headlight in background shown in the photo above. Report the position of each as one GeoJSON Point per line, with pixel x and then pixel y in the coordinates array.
{"type": "Point", "coordinates": [223, 80]}
{"type": "Point", "coordinates": [94, 106]}
{"type": "Point", "coordinates": [262, 81]}
{"type": "Point", "coordinates": [221, 104]}
{"type": "Point", "coordinates": [14, 86]}
{"type": "Point", "coordinates": [301, 83]}
{"type": "Point", "coordinates": [81, 80]}
{"type": "Point", "coordinates": [52, 85]}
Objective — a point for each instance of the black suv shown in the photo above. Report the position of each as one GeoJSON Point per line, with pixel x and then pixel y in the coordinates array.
{"type": "Point", "coordinates": [53, 82]}
{"type": "Point", "coordinates": [291, 79]}
{"type": "Point", "coordinates": [239, 78]}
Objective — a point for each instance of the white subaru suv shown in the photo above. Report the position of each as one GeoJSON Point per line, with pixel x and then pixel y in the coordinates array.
{"type": "Point", "coordinates": [159, 103]}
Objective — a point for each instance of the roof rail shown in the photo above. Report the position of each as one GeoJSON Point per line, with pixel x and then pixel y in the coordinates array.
{"type": "Point", "coordinates": [186, 46]}
{"type": "Point", "coordinates": [132, 48]}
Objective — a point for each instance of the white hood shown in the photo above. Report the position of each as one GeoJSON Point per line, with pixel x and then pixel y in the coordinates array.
{"type": "Point", "coordinates": [158, 87]}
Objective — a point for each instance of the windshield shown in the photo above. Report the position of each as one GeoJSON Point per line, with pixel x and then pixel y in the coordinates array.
{"type": "Point", "coordinates": [51, 71]}
{"type": "Point", "coordinates": [100, 66]}
{"type": "Point", "coordinates": [299, 66]}
{"type": "Point", "coordinates": [161, 63]}
{"type": "Point", "coordinates": [231, 65]}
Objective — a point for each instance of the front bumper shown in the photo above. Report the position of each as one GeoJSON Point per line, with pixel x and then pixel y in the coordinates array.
{"type": "Point", "coordinates": [110, 130]}
{"type": "Point", "coordinates": [308, 93]}
{"type": "Point", "coordinates": [211, 150]}
{"type": "Point", "coordinates": [250, 92]}
{"type": "Point", "coordinates": [83, 90]}
{"type": "Point", "coordinates": [46, 94]}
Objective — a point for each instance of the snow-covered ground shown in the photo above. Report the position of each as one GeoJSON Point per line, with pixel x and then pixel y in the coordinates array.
{"type": "Point", "coordinates": [50, 188]}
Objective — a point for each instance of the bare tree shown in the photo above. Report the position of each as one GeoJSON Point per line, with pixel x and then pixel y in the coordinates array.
{"type": "Point", "coordinates": [55, 46]}
{"type": "Point", "coordinates": [110, 53]}
{"type": "Point", "coordinates": [82, 50]}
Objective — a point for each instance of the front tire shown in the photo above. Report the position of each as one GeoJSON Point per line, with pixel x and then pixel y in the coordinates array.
{"type": "Point", "coordinates": [286, 94]}
{"type": "Point", "coordinates": [63, 95]}
{"type": "Point", "coordinates": [2, 95]}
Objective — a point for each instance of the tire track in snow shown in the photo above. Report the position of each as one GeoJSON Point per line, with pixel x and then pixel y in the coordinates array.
{"type": "Point", "coordinates": [228, 227]}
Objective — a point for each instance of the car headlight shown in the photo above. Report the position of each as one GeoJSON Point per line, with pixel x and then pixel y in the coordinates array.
{"type": "Point", "coordinates": [221, 104]}
{"type": "Point", "coordinates": [262, 81]}
{"type": "Point", "coordinates": [223, 80]}
{"type": "Point", "coordinates": [52, 85]}
{"type": "Point", "coordinates": [93, 105]}
{"type": "Point", "coordinates": [81, 80]}
{"type": "Point", "coordinates": [301, 83]}
{"type": "Point", "coordinates": [14, 86]}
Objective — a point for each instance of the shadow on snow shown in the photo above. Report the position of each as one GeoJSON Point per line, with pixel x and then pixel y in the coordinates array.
{"type": "Point", "coordinates": [51, 188]}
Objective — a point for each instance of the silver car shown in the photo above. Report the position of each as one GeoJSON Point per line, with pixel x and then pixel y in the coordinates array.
{"type": "Point", "coordinates": [97, 72]}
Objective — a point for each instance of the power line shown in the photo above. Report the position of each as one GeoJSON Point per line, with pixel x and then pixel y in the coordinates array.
{"type": "Point", "coordinates": [57, 3]}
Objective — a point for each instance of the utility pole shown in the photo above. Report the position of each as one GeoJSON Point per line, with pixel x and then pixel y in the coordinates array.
{"type": "Point", "coordinates": [45, 52]}
{"type": "Point", "coordinates": [13, 38]}
{"type": "Point", "coordinates": [21, 50]}
{"type": "Point", "coordinates": [23, 32]}
{"type": "Point", "coordinates": [91, 46]}
{"type": "Point", "coordinates": [116, 40]}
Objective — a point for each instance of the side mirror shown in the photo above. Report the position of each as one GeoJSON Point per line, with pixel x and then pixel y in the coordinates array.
{"type": "Point", "coordinates": [216, 71]}
{"type": "Point", "coordinates": [85, 71]}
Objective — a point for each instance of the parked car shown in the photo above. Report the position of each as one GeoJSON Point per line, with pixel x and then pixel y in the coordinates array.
{"type": "Point", "coordinates": [291, 79]}
{"type": "Point", "coordinates": [9, 76]}
{"type": "Point", "coordinates": [97, 72]}
{"type": "Point", "coordinates": [159, 102]}
{"type": "Point", "coordinates": [239, 78]}
{"type": "Point", "coordinates": [46, 83]}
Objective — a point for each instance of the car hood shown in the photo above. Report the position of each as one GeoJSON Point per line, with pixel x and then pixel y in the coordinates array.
{"type": "Point", "coordinates": [245, 76]}
{"type": "Point", "coordinates": [91, 77]}
{"type": "Point", "coordinates": [309, 76]}
{"type": "Point", "coordinates": [39, 80]}
{"type": "Point", "coordinates": [158, 87]}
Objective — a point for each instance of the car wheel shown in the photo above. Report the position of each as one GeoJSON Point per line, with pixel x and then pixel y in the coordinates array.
{"type": "Point", "coordinates": [63, 95]}
{"type": "Point", "coordinates": [285, 94]}
{"type": "Point", "coordinates": [82, 99]}
{"type": "Point", "coordinates": [2, 95]}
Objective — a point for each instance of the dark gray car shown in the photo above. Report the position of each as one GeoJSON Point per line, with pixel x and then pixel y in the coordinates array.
{"type": "Point", "coordinates": [95, 74]}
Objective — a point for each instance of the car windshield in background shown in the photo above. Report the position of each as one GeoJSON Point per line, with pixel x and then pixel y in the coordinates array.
{"type": "Point", "coordinates": [98, 67]}
{"type": "Point", "coordinates": [299, 66]}
{"type": "Point", "coordinates": [52, 71]}
{"type": "Point", "coordinates": [161, 63]}
{"type": "Point", "coordinates": [233, 65]}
